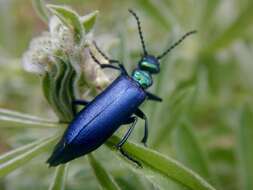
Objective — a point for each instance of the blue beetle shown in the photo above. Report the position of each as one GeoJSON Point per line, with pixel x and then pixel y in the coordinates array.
{"type": "Point", "coordinates": [117, 105]}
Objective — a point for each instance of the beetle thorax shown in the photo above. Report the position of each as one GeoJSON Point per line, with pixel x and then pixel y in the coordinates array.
{"type": "Point", "coordinates": [144, 78]}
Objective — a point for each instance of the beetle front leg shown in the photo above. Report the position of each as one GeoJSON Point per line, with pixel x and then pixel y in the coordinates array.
{"type": "Point", "coordinates": [78, 102]}
{"type": "Point", "coordinates": [153, 97]}
{"type": "Point", "coordinates": [120, 67]}
{"type": "Point", "coordinates": [142, 115]}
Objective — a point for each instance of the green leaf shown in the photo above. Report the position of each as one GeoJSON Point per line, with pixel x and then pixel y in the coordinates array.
{"type": "Point", "coordinates": [165, 166]}
{"type": "Point", "coordinates": [58, 88]}
{"type": "Point", "coordinates": [89, 20]}
{"type": "Point", "coordinates": [40, 9]}
{"type": "Point", "coordinates": [104, 178]}
{"type": "Point", "coordinates": [65, 91]}
{"type": "Point", "coordinates": [70, 18]}
{"type": "Point", "coordinates": [14, 153]}
{"type": "Point", "coordinates": [10, 118]}
{"type": "Point", "coordinates": [245, 153]}
{"type": "Point", "coordinates": [19, 160]}
{"type": "Point", "coordinates": [58, 182]}
{"type": "Point", "coordinates": [188, 150]}
{"type": "Point", "coordinates": [234, 31]}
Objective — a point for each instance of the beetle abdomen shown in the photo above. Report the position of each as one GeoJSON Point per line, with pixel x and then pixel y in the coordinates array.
{"type": "Point", "coordinates": [99, 120]}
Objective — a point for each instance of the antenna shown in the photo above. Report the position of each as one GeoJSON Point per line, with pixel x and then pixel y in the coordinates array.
{"type": "Point", "coordinates": [176, 44]}
{"type": "Point", "coordinates": [140, 31]}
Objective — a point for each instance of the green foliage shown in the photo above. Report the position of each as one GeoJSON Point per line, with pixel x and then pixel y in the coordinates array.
{"type": "Point", "coordinates": [18, 158]}
{"type": "Point", "coordinates": [89, 20]}
{"type": "Point", "coordinates": [200, 135]}
{"type": "Point", "coordinates": [188, 150]}
{"type": "Point", "coordinates": [40, 9]}
{"type": "Point", "coordinates": [104, 178]}
{"type": "Point", "coordinates": [58, 182]}
{"type": "Point", "coordinates": [244, 136]}
{"type": "Point", "coordinates": [70, 19]}
{"type": "Point", "coordinates": [165, 166]}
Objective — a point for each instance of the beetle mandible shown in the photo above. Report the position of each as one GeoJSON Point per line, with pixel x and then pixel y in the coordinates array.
{"type": "Point", "coordinates": [117, 105]}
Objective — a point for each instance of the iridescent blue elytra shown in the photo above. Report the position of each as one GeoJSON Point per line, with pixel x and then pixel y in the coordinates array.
{"type": "Point", "coordinates": [118, 104]}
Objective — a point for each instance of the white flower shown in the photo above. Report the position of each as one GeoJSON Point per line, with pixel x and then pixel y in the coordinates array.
{"type": "Point", "coordinates": [38, 56]}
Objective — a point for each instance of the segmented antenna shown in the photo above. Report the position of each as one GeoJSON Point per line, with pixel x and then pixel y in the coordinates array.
{"type": "Point", "coordinates": [140, 31]}
{"type": "Point", "coordinates": [176, 44]}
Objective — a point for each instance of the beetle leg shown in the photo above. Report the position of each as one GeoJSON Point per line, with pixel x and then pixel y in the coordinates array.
{"type": "Point", "coordinates": [142, 115]}
{"type": "Point", "coordinates": [153, 97]}
{"type": "Point", "coordinates": [78, 102]}
{"type": "Point", "coordinates": [132, 120]}
{"type": "Point", "coordinates": [113, 61]}
{"type": "Point", "coordinates": [129, 157]}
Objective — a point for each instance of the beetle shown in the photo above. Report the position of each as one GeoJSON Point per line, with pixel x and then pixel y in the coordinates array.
{"type": "Point", "coordinates": [117, 105]}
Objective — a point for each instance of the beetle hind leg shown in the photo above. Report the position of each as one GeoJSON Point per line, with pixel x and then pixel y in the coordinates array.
{"type": "Point", "coordinates": [119, 146]}
{"type": "Point", "coordinates": [132, 120]}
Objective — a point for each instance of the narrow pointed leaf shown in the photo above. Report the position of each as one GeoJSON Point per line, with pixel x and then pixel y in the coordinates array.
{"type": "Point", "coordinates": [104, 178]}
{"type": "Point", "coordinates": [163, 165]}
{"type": "Point", "coordinates": [10, 118]}
{"type": "Point", "coordinates": [89, 20]}
{"type": "Point", "coordinates": [70, 18]}
{"type": "Point", "coordinates": [39, 7]}
{"type": "Point", "coordinates": [20, 160]}
{"type": "Point", "coordinates": [188, 150]}
{"type": "Point", "coordinates": [58, 182]}
{"type": "Point", "coordinates": [18, 151]}
{"type": "Point", "coordinates": [245, 153]}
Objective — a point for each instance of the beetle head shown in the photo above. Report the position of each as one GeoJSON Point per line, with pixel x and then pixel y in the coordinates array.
{"type": "Point", "coordinates": [149, 63]}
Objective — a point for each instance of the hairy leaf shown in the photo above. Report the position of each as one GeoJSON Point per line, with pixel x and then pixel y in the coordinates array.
{"type": "Point", "coordinates": [21, 159]}
{"type": "Point", "coordinates": [70, 18]}
{"type": "Point", "coordinates": [163, 165]}
{"type": "Point", "coordinates": [89, 20]}
{"type": "Point", "coordinates": [9, 118]}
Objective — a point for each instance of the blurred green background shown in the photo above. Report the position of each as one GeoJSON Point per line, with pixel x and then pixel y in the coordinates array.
{"type": "Point", "coordinates": [206, 84]}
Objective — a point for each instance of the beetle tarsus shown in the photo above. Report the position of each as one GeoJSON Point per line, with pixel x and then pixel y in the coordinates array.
{"type": "Point", "coordinates": [129, 157]}
{"type": "Point", "coordinates": [144, 143]}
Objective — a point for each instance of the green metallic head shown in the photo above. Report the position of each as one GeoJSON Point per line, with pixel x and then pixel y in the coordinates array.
{"type": "Point", "coordinates": [143, 78]}
{"type": "Point", "coordinates": [150, 64]}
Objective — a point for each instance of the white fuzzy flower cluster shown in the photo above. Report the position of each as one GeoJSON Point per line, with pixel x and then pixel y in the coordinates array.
{"type": "Point", "coordinates": [42, 49]}
{"type": "Point", "coordinates": [42, 52]}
